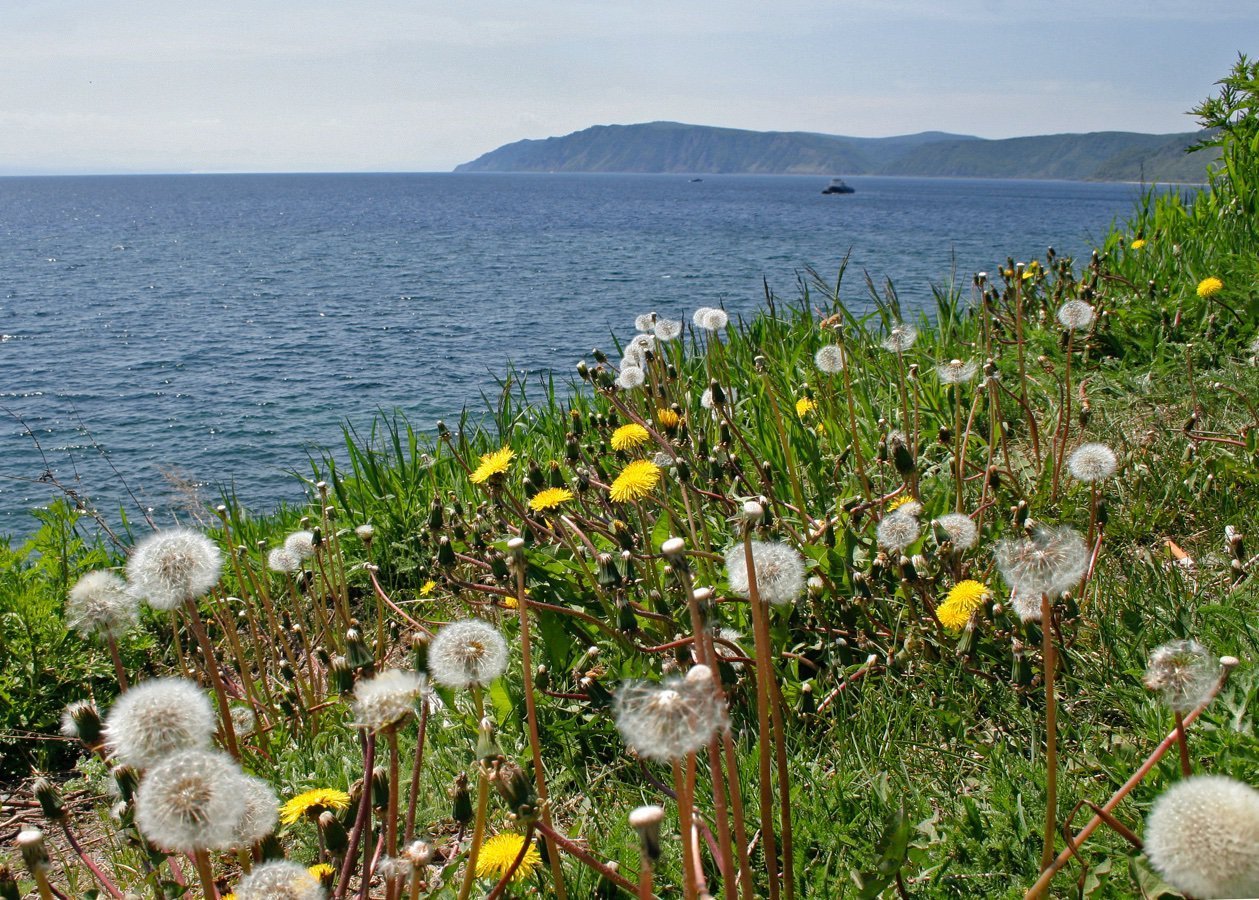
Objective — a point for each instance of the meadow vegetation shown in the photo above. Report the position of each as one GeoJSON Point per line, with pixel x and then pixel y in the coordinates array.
{"type": "Point", "coordinates": [823, 603]}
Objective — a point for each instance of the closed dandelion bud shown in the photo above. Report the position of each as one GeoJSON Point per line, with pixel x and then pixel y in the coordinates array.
{"type": "Point", "coordinates": [380, 787]}
{"type": "Point", "coordinates": [714, 469]}
{"type": "Point", "coordinates": [445, 553]}
{"type": "Point", "coordinates": [357, 653]}
{"type": "Point", "coordinates": [716, 394]}
{"type": "Point", "coordinates": [128, 779]}
{"type": "Point", "coordinates": [1103, 513]}
{"type": "Point", "coordinates": [624, 536]}
{"type": "Point", "coordinates": [30, 842]}
{"type": "Point", "coordinates": [1021, 512]}
{"type": "Point", "coordinates": [646, 821]}
{"type": "Point", "coordinates": [270, 848]}
{"type": "Point", "coordinates": [625, 618]}
{"type": "Point", "coordinates": [723, 435]}
{"type": "Point", "coordinates": [1233, 543]}
{"type": "Point", "coordinates": [994, 477]}
{"type": "Point", "coordinates": [908, 571]}
{"type": "Point", "coordinates": [334, 835]}
{"type": "Point", "coordinates": [498, 566]}
{"type": "Point", "coordinates": [583, 370]}
{"type": "Point", "coordinates": [436, 516]}
{"type": "Point", "coordinates": [608, 574]}
{"type": "Point", "coordinates": [1086, 412]}
{"type": "Point", "coordinates": [8, 885]}
{"type": "Point", "coordinates": [81, 719]}
{"type": "Point", "coordinates": [486, 746]}
{"type": "Point", "coordinates": [461, 801]}
{"type": "Point", "coordinates": [627, 566]}
{"type": "Point", "coordinates": [684, 471]}
{"type": "Point", "coordinates": [902, 459]}
{"type": "Point", "coordinates": [597, 695]}
{"type": "Point", "coordinates": [516, 788]}
{"type": "Point", "coordinates": [340, 676]}
{"type": "Point", "coordinates": [861, 581]}
{"type": "Point", "coordinates": [607, 889]}
{"type": "Point", "coordinates": [49, 799]}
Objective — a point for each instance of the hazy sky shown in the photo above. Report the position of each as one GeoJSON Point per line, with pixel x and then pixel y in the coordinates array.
{"type": "Point", "coordinates": [413, 85]}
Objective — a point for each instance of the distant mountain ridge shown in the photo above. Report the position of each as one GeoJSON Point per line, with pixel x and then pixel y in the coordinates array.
{"type": "Point", "coordinates": [673, 147]}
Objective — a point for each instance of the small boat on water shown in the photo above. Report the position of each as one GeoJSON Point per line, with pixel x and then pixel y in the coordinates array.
{"type": "Point", "coordinates": [838, 186]}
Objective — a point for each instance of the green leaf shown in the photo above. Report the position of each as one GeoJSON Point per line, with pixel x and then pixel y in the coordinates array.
{"type": "Point", "coordinates": [894, 847]}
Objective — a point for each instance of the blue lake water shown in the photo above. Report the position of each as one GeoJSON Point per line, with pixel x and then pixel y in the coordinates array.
{"type": "Point", "coordinates": [220, 326]}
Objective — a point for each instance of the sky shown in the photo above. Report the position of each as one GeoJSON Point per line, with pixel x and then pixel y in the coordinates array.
{"type": "Point", "coordinates": [413, 85]}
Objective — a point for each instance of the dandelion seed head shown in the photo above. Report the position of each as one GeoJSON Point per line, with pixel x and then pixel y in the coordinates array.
{"type": "Point", "coordinates": [156, 718]}
{"type": "Point", "coordinates": [1092, 462]}
{"type": "Point", "coordinates": [1202, 836]}
{"type": "Point", "coordinates": [662, 460]}
{"type": "Point", "coordinates": [898, 529]}
{"type": "Point", "coordinates": [101, 604]}
{"type": "Point", "coordinates": [262, 811]}
{"type": "Point", "coordinates": [667, 329]}
{"type": "Point", "coordinates": [630, 377]}
{"type": "Point", "coordinates": [467, 653]}
{"type": "Point", "coordinates": [386, 699]}
{"type": "Point", "coordinates": [279, 880]}
{"type": "Point", "coordinates": [391, 867]}
{"type": "Point", "coordinates": [780, 574]}
{"type": "Point", "coordinates": [169, 567]}
{"type": "Point", "coordinates": [645, 322]}
{"type": "Point", "coordinates": [282, 560]}
{"type": "Point", "coordinates": [1026, 605]}
{"type": "Point", "coordinates": [710, 318]}
{"type": "Point", "coordinates": [243, 720]}
{"type": "Point", "coordinates": [666, 721]}
{"type": "Point", "coordinates": [1049, 562]}
{"type": "Point", "coordinates": [955, 371]}
{"type": "Point", "coordinates": [192, 800]}
{"type": "Point", "coordinates": [1075, 315]}
{"type": "Point", "coordinates": [960, 528]}
{"type": "Point", "coordinates": [1183, 672]}
{"type": "Point", "coordinates": [365, 532]}
{"type": "Point", "coordinates": [301, 544]}
{"type": "Point", "coordinates": [830, 359]}
{"type": "Point", "coordinates": [900, 338]}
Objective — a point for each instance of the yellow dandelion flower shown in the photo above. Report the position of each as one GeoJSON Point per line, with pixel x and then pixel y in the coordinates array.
{"type": "Point", "coordinates": [668, 419]}
{"type": "Point", "coordinates": [897, 502]}
{"type": "Point", "coordinates": [313, 803]}
{"type": "Point", "coordinates": [804, 406]}
{"type": "Point", "coordinates": [500, 851]}
{"type": "Point", "coordinates": [228, 897]}
{"type": "Point", "coordinates": [635, 481]}
{"type": "Point", "coordinates": [1137, 244]}
{"type": "Point", "coordinates": [322, 872]}
{"type": "Point", "coordinates": [511, 603]}
{"type": "Point", "coordinates": [961, 603]}
{"type": "Point", "coordinates": [1209, 287]}
{"type": "Point", "coordinates": [492, 464]}
{"type": "Point", "coordinates": [549, 498]}
{"type": "Point", "coordinates": [427, 588]}
{"type": "Point", "coordinates": [630, 436]}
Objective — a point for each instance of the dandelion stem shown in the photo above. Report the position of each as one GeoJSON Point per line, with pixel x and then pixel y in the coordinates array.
{"type": "Point", "coordinates": [575, 849]}
{"type": "Point", "coordinates": [360, 819]}
{"type": "Point", "coordinates": [87, 861]}
{"type": "Point", "coordinates": [1186, 768]}
{"type": "Point", "coordinates": [119, 671]}
{"type": "Point", "coordinates": [689, 883]}
{"type": "Point", "coordinates": [414, 786]}
{"type": "Point", "coordinates": [216, 680]}
{"type": "Point", "coordinates": [764, 674]}
{"type": "Point", "coordinates": [482, 803]}
{"type": "Point", "coordinates": [201, 859]}
{"type": "Point", "coordinates": [1050, 662]}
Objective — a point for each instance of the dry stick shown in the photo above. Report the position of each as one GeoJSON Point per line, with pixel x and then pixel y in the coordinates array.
{"type": "Point", "coordinates": [531, 712]}
{"type": "Point", "coordinates": [212, 666]}
{"type": "Point", "coordinates": [360, 818]}
{"type": "Point", "coordinates": [384, 598]}
{"type": "Point", "coordinates": [575, 849]}
{"type": "Point", "coordinates": [1050, 662]}
{"type": "Point", "coordinates": [763, 676]}
{"type": "Point", "coordinates": [1042, 884]}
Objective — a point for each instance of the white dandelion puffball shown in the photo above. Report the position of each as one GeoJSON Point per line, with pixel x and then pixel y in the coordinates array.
{"type": "Point", "coordinates": [1051, 561]}
{"type": "Point", "coordinates": [156, 718]}
{"type": "Point", "coordinates": [262, 811]}
{"type": "Point", "coordinates": [1184, 673]}
{"type": "Point", "coordinates": [279, 880]}
{"type": "Point", "coordinates": [1202, 836]}
{"type": "Point", "coordinates": [779, 571]}
{"type": "Point", "coordinates": [192, 800]}
{"type": "Point", "coordinates": [630, 377]}
{"type": "Point", "coordinates": [664, 722]}
{"type": "Point", "coordinates": [301, 544]}
{"type": "Point", "coordinates": [960, 529]}
{"type": "Point", "coordinates": [101, 604]}
{"type": "Point", "coordinates": [1092, 462]}
{"type": "Point", "coordinates": [170, 567]}
{"type": "Point", "coordinates": [387, 699]}
{"type": "Point", "coordinates": [956, 372]}
{"type": "Point", "coordinates": [830, 359]}
{"type": "Point", "coordinates": [900, 338]}
{"type": "Point", "coordinates": [645, 323]}
{"type": "Point", "coordinates": [898, 529]}
{"type": "Point", "coordinates": [1027, 606]}
{"type": "Point", "coordinates": [1075, 315]}
{"type": "Point", "coordinates": [667, 329]}
{"type": "Point", "coordinates": [468, 653]}
{"type": "Point", "coordinates": [709, 318]}
{"type": "Point", "coordinates": [284, 561]}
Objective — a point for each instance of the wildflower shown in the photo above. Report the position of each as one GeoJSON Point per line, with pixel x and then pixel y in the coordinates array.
{"type": "Point", "coordinates": [630, 377]}
{"type": "Point", "coordinates": [1092, 462]}
{"type": "Point", "coordinates": [301, 544]}
{"type": "Point", "coordinates": [897, 530]}
{"type": "Point", "coordinates": [1209, 287]}
{"type": "Point", "coordinates": [81, 719]}
{"type": "Point", "coordinates": [500, 851]}
{"type": "Point", "coordinates": [963, 599]}
{"type": "Point", "coordinates": [956, 372]}
{"type": "Point", "coordinates": [1049, 562]}
{"type": "Point", "coordinates": [427, 588]}
{"type": "Point", "coordinates": [279, 880]}
{"type": "Point", "coordinates": [645, 323]}
{"type": "Point", "coordinates": [804, 406]}
{"type": "Point", "coordinates": [668, 419]}
{"type": "Point", "coordinates": [1202, 835]}
{"type": "Point", "coordinates": [549, 498]}
{"type": "Point", "coordinates": [468, 653]}
{"type": "Point", "coordinates": [710, 318]}
{"type": "Point", "coordinates": [637, 349]}
{"type": "Point", "coordinates": [365, 532]}
{"type": "Point", "coordinates": [960, 530]}
{"type": "Point", "coordinates": [387, 699]}
{"type": "Point", "coordinates": [99, 603]}
{"type": "Point", "coordinates": [900, 501]}
{"type": "Point", "coordinates": [311, 803]}
{"type": "Point", "coordinates": [667, 329]}
{"type": "Point", "coordinates": [1075, 315]}
{"type": "Point", "coordinates": [830, 359]}
{"type": "Point", "coordinates": [192, 800]}
{"type": "Point", "coordinates": [1026, 605]}
{"type": "Point", "coordinates": [629, 437]}
{"type": "Point", "coordinates": [322, 872]}
{"type": "Point", "coordinates": [779, 571]}
{"type": "Point", "coordinates": [1184, 672]}
{"type": "Point", "coordinates": [244, 721]}
{"type": "Point", "coordinates": [261, 811]}
{"type": "Point", "coordinates": [1137, 244]}
{"type": "Point", "coordinates": [170, 567]}
{"type": "Point", "coordinates": [635, 481]}
{"type": "Point", "coordinates": [282, 560]}
{"type": "Point", "coordinates": [156, 718]}
{"type": "Point", "coordinates": [492, 464]}
{"type": "Point", "coordinates": [666, 721]}
{"type": "Point", "coordinates": [900, 338]}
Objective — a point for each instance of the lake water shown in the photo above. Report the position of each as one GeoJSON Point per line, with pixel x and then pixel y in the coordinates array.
{"type": "Point", "coordinates": [218, 327]}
